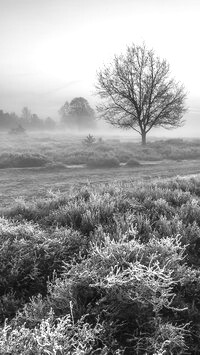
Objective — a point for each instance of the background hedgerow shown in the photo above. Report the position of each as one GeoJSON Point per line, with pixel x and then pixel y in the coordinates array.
{"type": "Point", "coordinates": [117, 264]}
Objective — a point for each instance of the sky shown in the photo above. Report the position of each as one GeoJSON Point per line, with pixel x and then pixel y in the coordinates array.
{"type": "Point", "coordinates": [52, 49]}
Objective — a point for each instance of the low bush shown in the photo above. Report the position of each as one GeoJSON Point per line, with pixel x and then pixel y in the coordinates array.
{"type": "Point", "coordinates": [55, 166]}
{"type": "Point", "coordinates": [76, 157]}
{"type": "Point", "coordinates": [19, 130]}
{"type": "Point", "coordinates": [103, 270]}
{"type": "Point", "coordinates": [123, 155]}
{"type": "Point", "coordinates": [29, 256]}
{"type": "Point", "coordinates": [103, 147]}
{"type": "Point", "coordinates": [51, 336]}
{"type": "Point", "coordinates": [132, 163]}
{"type": "Point", "coordinates": [102, 161]}
{"type": "Point", "coordinates": [22, 160]}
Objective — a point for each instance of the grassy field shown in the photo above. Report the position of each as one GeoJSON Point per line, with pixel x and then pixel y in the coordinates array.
{"type": "Point", "coordinates": [58, 162]}
{"type": "Point", "coordinates": [35, 182]}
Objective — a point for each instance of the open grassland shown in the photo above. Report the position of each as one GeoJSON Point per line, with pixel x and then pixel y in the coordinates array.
{"type": "Point", "coordinates": [33, 183]}
{"type": "Point", "coordinates": [46, 149]}
{"type": "Point", "coordinates": [34, 163]}
{"type": "Point", "coordinates": [109, 269]}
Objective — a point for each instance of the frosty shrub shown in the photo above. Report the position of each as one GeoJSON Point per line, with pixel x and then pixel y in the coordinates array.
{"type": "Point", "coordinates": [113, 269]}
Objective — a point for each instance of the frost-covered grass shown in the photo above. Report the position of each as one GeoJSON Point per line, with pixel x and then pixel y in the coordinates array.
{"type": "Point", "coordinates": [103, 270]}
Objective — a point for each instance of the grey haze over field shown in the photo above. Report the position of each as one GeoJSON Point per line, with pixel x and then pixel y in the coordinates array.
{"type": "Point", "coordinates": [51, 49]}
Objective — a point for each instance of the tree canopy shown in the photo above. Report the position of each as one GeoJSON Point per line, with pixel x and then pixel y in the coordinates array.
{"type": "Point", "coordinates": [138, 92]}
{"type": "Point", "coordinates": [77, 114]}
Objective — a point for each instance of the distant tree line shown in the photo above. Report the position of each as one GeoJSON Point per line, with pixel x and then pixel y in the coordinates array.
{"type": "Point", "coordinates": [77, 115]}
{"type": "Point", "coordinates": [27, 120]}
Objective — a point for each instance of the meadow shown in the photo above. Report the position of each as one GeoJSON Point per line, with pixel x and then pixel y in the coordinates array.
{"type": "Point", "coordinates": [33, 163]}
{"type": "Point", "coordinates": [99, 259]}
{"type": "Point", "coordinates": [38, 149]}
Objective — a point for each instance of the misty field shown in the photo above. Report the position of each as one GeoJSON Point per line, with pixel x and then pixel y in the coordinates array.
{"type": "Point", "coordinates": [34, 163]}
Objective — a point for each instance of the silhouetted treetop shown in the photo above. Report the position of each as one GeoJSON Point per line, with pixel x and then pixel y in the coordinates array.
{"type": "Point", "coordinates": [77, 114]}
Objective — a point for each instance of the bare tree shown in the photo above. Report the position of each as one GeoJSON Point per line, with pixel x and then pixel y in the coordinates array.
{"type": "Point", "coordinates": [138, 93]}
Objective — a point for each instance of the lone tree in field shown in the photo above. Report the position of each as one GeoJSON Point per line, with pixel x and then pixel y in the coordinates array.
{"type": "Point", "coordinates": [138, 93]}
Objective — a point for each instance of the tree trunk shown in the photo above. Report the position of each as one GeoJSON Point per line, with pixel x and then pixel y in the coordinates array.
{"type": "Point", "coordinates": [144, 142]}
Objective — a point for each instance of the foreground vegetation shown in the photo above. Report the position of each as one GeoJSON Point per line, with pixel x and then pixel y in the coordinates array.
{"type": "Point", "coordinates": [108, 270]}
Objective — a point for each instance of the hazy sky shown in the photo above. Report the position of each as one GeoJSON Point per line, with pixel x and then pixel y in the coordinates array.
{"type": "Point", "coordinates": [51, 49]}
